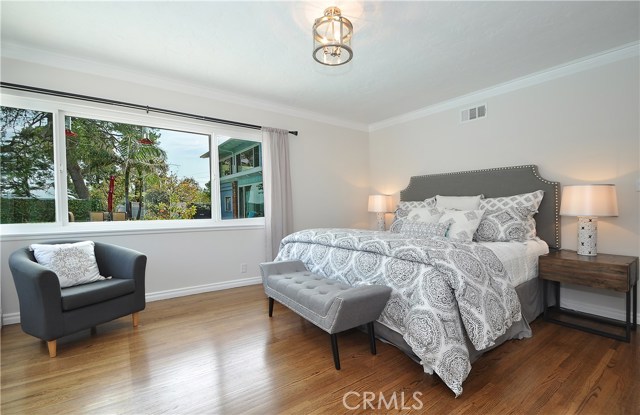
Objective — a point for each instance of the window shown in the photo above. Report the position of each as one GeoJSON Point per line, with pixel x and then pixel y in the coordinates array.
{"type": "Point", "coordinates": [118, 171]}
{"type": "Point", "coordinates": [241, 189]}
{"type": "Point", "coordinates": [123, 167]}
{"type": "Point", "coordinates": [26, 166]}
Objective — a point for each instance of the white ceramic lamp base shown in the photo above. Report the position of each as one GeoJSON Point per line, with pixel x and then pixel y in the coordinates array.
{"type": "Point", "coordinates": [380, 217]}
{"type": "Point", "coordinates": [587, 236]}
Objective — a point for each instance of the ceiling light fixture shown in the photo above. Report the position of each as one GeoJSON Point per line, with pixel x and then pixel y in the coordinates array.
{"type": "Point", "coordinates": [332, 38]}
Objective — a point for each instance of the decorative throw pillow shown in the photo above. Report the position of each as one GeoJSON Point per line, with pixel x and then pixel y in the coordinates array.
{"type": "Point", "coordinates": [458, 202]}
{"type": "Point", "coordinates": [463, 223]}
{"type": "Point", "coordinates": [73, 263]}
{"type": "Point", "coordinates": [525, 200]}
{"type": "Point", "coordinates": [424, 230]}
{"type": "Point", "coordinates": [402, 212]}
{"type": "Point", "coordinates": [504, 225]}
{"type": "Point", "coordinates": [426, 214]}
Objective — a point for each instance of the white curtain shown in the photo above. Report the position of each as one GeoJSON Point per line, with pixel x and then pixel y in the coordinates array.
{"type": "Point", "coordinates": [278, 207]}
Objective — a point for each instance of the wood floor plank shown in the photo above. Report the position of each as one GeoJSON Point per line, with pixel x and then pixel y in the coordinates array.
{"type": "Point", "coordinates": [220, 353]}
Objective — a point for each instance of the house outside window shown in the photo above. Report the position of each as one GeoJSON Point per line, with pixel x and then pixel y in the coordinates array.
{"type": "Point", "coordinates": [240, 169]}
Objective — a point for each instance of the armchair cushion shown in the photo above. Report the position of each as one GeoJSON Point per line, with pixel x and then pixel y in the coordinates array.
{"type": "Point", "coordinates": [73, 263]}
{"type": "Point", "coordinates": [96, 292]}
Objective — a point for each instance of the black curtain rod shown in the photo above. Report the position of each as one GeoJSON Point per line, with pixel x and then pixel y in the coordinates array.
{"type": "Point", "coordinates": [146, 108]}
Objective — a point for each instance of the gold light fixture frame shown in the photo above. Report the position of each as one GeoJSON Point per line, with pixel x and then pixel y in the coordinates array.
{"type": "Point", "coordinates": [332, 36]}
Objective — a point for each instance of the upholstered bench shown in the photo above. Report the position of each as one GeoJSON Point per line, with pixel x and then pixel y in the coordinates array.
{"type": "Point", "coordinates": [330, 305]}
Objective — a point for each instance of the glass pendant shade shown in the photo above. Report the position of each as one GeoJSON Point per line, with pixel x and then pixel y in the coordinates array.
{"type": "Point", "coordinates": [332, 35]}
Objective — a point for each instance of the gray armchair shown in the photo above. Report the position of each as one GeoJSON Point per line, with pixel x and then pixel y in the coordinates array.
{"type": "Point", "coordinates": [50, 312]}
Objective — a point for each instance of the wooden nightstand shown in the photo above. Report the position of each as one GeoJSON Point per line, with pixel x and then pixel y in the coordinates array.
{"type": "Point", "coordinates": [604, 271]}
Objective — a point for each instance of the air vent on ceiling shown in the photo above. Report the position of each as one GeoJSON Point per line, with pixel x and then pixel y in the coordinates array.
{"type": "Point", "coordinates": [474, 113]}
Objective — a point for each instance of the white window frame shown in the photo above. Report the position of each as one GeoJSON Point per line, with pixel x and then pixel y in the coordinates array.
{"type": "Point", "coordinates": [62, 108]}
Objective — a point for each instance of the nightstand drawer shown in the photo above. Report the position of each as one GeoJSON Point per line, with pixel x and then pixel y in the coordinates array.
{"type": "Point", "coordinates": [610, 272]}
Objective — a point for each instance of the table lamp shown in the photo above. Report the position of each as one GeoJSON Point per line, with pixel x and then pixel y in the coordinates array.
{"type": "Point", "coordinates": [588, 202]}
{"type": "Point", "coordinates": [380, 205]}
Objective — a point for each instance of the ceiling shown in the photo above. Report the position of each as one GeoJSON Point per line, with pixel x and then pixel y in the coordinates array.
{"type": "Point", "coordinates": [407, 55]}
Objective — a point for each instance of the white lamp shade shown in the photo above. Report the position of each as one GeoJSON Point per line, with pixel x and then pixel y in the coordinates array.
{"type": "Point", "coordinates": [589, 200]}
{"type": "Point", "coordinates": [379, 203]}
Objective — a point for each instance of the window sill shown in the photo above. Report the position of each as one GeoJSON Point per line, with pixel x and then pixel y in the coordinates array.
{"type": "Point", "coordinates": [12, 232]}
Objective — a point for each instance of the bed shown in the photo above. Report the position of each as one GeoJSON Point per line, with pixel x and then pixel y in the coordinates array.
{"type": "Point", "coordinates": [452, 298]}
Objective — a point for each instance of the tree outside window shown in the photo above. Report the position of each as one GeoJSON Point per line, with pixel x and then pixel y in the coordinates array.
{"type": "Point", "coordinates": [26, 166]}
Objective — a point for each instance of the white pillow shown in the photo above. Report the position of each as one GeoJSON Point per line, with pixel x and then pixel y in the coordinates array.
{"type": "Point", "coordinates": [464, 223]}
{"type": "Point", "coordinates": [74, 263]}
{"type": "Point", "coordinates": [458, 202]}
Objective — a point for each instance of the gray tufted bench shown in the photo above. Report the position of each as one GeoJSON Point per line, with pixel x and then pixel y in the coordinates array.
{"type": "Point", "coordinates": [330, 305]}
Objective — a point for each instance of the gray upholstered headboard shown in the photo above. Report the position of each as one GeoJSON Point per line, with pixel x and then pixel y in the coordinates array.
{"type": "Point", "coordinates": [502, 181]}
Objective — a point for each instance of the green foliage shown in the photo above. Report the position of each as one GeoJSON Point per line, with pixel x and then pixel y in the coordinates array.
{"type": "Point", "coordinates": [98, 149]}
{"type": "Point", "coordinates": [80, 208]}
{"type": "Point", "coordinates": [172, 198]}
{"type": "Point", "coordinates": [26, 151]}
{"type": "Point", "coordinates": [26, 210]}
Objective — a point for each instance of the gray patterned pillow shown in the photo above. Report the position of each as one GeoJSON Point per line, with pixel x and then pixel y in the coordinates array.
{"type": "Point", "coordinates": [404, 207]}
{"type": "Point", "coordinates": [463, 223]}
{"type": "Point", "coordinates": [504, 225]}
{"type": "Point", "coordinates": [525, 200]}
{"type": "Point", "coordinates": [424, 230]}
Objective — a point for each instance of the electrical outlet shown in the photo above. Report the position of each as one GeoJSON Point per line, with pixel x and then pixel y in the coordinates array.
{"type": "Point", "coordinates": [243, 268]}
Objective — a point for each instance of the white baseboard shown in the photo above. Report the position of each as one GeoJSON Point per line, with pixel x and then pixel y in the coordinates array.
{"type": "Point", "coordinates": [10, 318]}
{"type": "Point", "coordinates": [199, 289]}
{"type": "Point", "coordinates": [14, 318]}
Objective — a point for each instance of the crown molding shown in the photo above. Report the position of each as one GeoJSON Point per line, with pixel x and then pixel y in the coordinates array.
{"type": "Point", "coordinates": [626, 51]}
{"type": "Point", "coordinates": [72, 63]}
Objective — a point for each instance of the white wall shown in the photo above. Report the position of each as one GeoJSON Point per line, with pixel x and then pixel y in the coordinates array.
{"type": "Point", "coordinates": [580, 128]}
{"type": "Point", "coordinates": [329, 169]}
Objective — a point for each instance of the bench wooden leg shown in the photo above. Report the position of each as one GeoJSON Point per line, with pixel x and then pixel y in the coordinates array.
{"type": "Point", "coordinates": [372, 337]}
{"type": "Point", "coordinates": [270, 307]}
{"type": "Point", "coordinates": [334, 348]}
{"type": "Point", "coordinates": [51, 345]}
{"type": "Point", "coordinates": [134, 317]}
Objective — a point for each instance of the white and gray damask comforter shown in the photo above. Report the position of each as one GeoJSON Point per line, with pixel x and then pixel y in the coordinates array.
{"type": "Point", "coordinates": [443, 290]}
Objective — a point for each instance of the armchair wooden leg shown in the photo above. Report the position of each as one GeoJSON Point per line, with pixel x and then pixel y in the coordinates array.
{"type": "Point", "coordinates": [51, 344]}
{"type": "Point", "coordinates": [135, 319]}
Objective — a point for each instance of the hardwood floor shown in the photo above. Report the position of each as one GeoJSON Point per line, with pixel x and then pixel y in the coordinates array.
{"type": "Point", "coordinates": [220, 353]}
